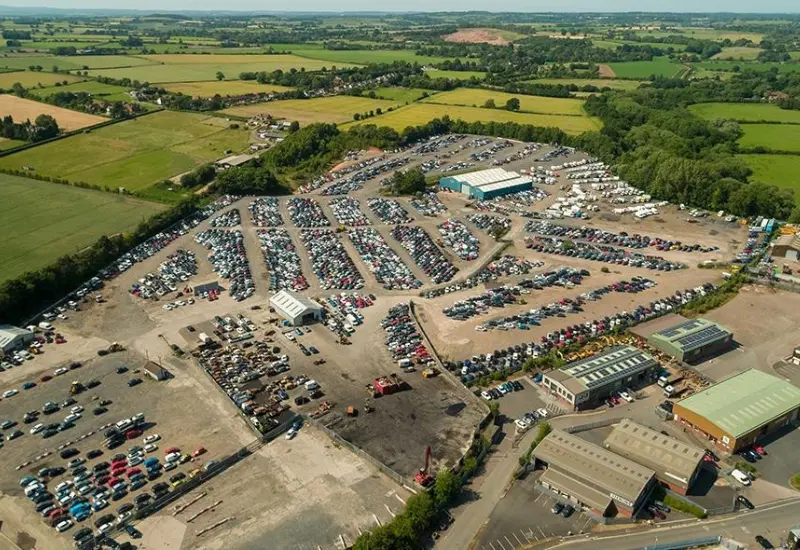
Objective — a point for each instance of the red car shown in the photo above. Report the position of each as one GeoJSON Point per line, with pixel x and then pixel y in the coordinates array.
{"type": "Point", "coordinates": [199, 451]}
{"type": "Point", "coordinates": [759, 449]}
{"type": "Point", "coordinates": [133, 471]}
{"type": "Point", "coordinates": [172, 450]}
{"type": "Point", "coordinates": [119, 462]}
{"type": "Point", "coordinates": [133, 434]}
{"type": "Point", "coordinates": [113, 481]}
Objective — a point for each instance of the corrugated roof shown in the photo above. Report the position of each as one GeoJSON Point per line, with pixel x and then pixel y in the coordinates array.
{"type": "Point", "coordinates": [483, 177]}
{"type": "Point", "coordinates": [672, 459]}
{"type": "Point", "coordinates": [9, 332]}
{"type": "Point", "coordinates": [593, 465]}
{"type": "Point", "coordinates": [293, 304]}
{"type": "Point", "coordinates": [523, 180]}
{"type": "Point", "coordinates": [615, 363]}
{"type": "Point", "coordinates": [587, 495]}
{"type": "Point", "coordinates": [692, 334]}
{"type": "Point", "coordinates": [745, 402]}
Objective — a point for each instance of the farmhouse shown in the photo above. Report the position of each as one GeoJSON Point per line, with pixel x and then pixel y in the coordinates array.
{"type": "Point", "coordinates": [297, 309]}
{"type": "Point", "coordinates": [14, 338]}
{"type": "Point", "coordinates": [585, 383]}
{"type": "Point", "coordinates": [592, 476]}
{"type": "Point", "coordinates": [739, 411]}
{"type": "Point", "coordinates": [692, 340]}
{"type": "Point", "coordinates": [676, 464]}
{"type": "Point", "coordinates": [487, 184]}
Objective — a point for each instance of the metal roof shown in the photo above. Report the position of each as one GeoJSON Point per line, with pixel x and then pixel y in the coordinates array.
{"type": "Point", "coordinates": [8, 333]}
{"type": "Point", "coordinates": [522, 180]}
{"type": "Point", "coordinates": [594, 466]}
{"type": "Point", "coordinates": [293, 304]}
{"type": "Point", "coordinates": [744, 402]}
{"type": "Point", "coordinates": [587, 495]}
{"type": "Point", "coordinates": [615, 363]}
{"type": "Point", "coordinates": [672, 459]}
{"type": "Point", "coordinates": [693, 334]}
{"type": "Point", "coordinates": [484, 177]}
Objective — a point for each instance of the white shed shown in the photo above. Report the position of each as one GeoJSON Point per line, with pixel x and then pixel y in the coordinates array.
{"type": "Point", "coordinates": [297, 309]}
{"type": "Point", "coordinates": [14, 338]}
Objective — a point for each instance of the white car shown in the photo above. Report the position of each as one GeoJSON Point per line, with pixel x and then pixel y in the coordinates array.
{"type": "Point", "coordinates": [37, 428]}
{"type": "Point", "coordinates": [542, 413]}
{"type": "Point", "coordinates": [10, 393]}
{"type": "Point", "coordinates": [150, 448]}
{"type": "Point", "coordinates": [77, 409]}
{"type": "Point", "coordinates": [106, 527]}
{"type": "Point", "coordinates": [64, 525]}
{"type": "Point", "coordinates": [135, 461]}
{"type": "Point", "coordinates": [61, 371]}
{"type": "Point", "coordinates": [167, 307]}
{"type": "Point", "coordinates": [123, 517]}
{"type": "Point", "coordinates": [486, 395]}
{"type": "Point", "coordinates": [151, 439]}
{"type": "Point", "coordinates": [626, 396]}
{"type": "Point", "coordinates": [741, 477]}
{"type": "Point", "coordinates": [172, 457]}
{"type": "Point", "coordinates": [291, 433]}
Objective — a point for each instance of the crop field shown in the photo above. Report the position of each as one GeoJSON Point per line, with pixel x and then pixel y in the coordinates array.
{"type": "Point", "coordinates": [778, 137]}
{"type": "Point", "coordinates": [703, 34]}
{"type": "Point", "coordinates": [469, 97]}
{"type": "Point", "coordinates": [747, 54]}
{"type": "Point", "coordinates": [402, 95]}
{"type": "Point", "coordinates": [43, 221]}
{"type": "Point", "coordinates": [335, 109]}
{"type": "Point", "coordinates": [109, 92]}
{"type": "Point", "coordinates": [31, 79]}
{"type": "Point", "coordinates": [455, 75]}
{"type": "Point", "coordinates": [204, 68]}
{"type": "Point", "coordinates": [365, 57]}
{"type": "Point", "coordinates": [598, 82]}
{"type": "Point", "coordinates": [136, 153]}
{"type": "Point", "coordinates": [644, 69]}
{"type": "Point", "coordinates": [73, 63]}
{"type": "Point", "coordinates": [22, 109]}
{"type": "Point", "coordinates": [223, 88]}
{"type": "Point", "coordinates": [745, 112]}
{"type": "Point", "coordinates": [421, 113]}
{"type": "Point", "coordinates": [780, 170]}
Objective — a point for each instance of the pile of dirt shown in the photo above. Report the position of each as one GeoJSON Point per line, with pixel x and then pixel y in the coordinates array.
{"type": "Point", "coordinates": [477, 36]}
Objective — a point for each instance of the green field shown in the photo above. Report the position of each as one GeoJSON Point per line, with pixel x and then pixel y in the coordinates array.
{"type": "Point", "coordinates": [223, 88]}
{"type": "Point", "coordinates": [474, 97]}
{"type": "Point", "coordinates": [780, 170]}
{"type": "Point", "coordinates": [134, 154]}
{"type": "Point", "coordinates": [455, 75]}
{"type": "Point", "coordinates": [644, 69]}
{"type": "Point", "coordinates": [52, 45]}
{"type": "Point", "coordinates": [402, 95]}
{"type": "Point", "coordinates": [44, 221]}
{"type": "Point", "coordinates": [778, 137]}
{"type": "Point", "coordinates": [77, 62]}
{"type": "Point", "coordinates": [31, 79]}
{"type": "Point", "coordinates": [109, 92]}
{"type": "Point", "coordinates": [730, 65]}
{"type": "Point", "coordinates": [365, 57]}
{"type": "Point", "coordinates": [747, 54]}
{"type": "Point", "coordinates": [614, 44]}
{"type": "Point", "coordinates": [745, 112]}
{"type": "Point", "coordinates": [6, 144]}
{"type": "Point", "coordinates": [421, 113]}
{"type": "Point", "coordinates": [598, 82]}
{"type": "Point", "coordinates": [333, 109]}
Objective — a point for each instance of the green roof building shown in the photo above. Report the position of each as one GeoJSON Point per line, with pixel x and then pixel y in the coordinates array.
{"type": "Point", "coordinates": [738, 411]}
{"type": "Point", "coordinates": [693, 340]}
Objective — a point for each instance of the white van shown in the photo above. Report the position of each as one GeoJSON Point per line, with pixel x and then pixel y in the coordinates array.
{"type": "Point", "coordinates": [311, 385]}
{"type": "Point", "coordinates": [403, 363]}
{"type": "Point", "coordinates": [45, 325]}
{"type": "Point", "coordinates": [741, 477]}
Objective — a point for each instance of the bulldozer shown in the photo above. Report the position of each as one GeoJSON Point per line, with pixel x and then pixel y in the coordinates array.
{"type": "Point", "coordinates": [430, 373]}
{"type": "Point", "coordinates": [423, 476]}
{"type": "Point", "coordinates": [76, 388]}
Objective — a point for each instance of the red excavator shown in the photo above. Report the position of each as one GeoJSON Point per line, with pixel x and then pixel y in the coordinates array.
{"type": "Point", "coordinates": [423, 477]}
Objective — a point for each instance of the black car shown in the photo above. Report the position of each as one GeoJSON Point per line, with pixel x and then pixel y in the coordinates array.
{"type": "Point", "coordinates": [69, 453]}
{"type": "Point", "coordinates": [49, 433]}
{"type": "Point", "coordinates": [763, 542]}
{"type": "Point", "coordinates": [94, 453]}
{"type": "Point", "coordinates": [134, 382]}
{"type": "Point", "coordinates": [65, 426]}
{"type": "Point", "coordinates": [517, 385]}
{"type": "Point", "coordinates": [745, 502]}
{"type": "Point", "coordinates": [567, 510]}
{"type": "Point", "coordinates": [301, 400]}
{"type": "Point", "coordinates": [133, 532]}
{"type": "Point", "coordinates": [122, 370]}
{"type": "Point", "coordinates": [82, 533]}
{"type": "Point", "coordinates": [68, 402]}
{"type": "Point", "coordinates": [92, 383]}
{"type": "Point", "coordinates": [105, 402]}
{"type": "Point", "coordinates": [99, 410]}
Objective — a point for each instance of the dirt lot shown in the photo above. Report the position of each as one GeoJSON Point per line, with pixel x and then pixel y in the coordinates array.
{"type": "Point", "coordinates": [477, 36]}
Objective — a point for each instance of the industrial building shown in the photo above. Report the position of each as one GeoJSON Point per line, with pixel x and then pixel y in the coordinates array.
{"type": "Point", "coordinates": [676, 464]}
{"type": "Point", "coordinates": [487, 184]}
{"type": "Point", "coordinates": [14, 338]}
{"type": "Point", "coordinates": [586, 383]}
{"type": "Point", "coordinates": [737, 412]}
{"type": "Point", "coordinates": [692, 340]}
{"type": "Point", "coordinates": [592, 476]}
{"type": "Point", "coordinates": [787, 247]}
{"type": "Point", "coordinates": [296, 309]}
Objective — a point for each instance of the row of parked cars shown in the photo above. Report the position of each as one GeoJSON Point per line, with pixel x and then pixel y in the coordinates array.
{"type": "Point", "coordinates": [460, 239]}
{"type": "Point", "coordinates": [265, 212]}
{"type": "Point", "coordinates": [305, 212]}
{"type": "Point", "coordinates": [178, 268]}
{"type": "Point", "coordinates": [389, 269]}
{"type": "Point", "coordinates": [370, 169]}
{"type": "Point", "coordinates": [424, 252]}
{"type": "Point", "coordinates": [228, 258]}
{"type": "Point", "coordinates": [389, 211]}
{"type": "Point", "coordinates": [489, 221]}
{"type": "Point", "coordinates": [348, 212]}
{"type": "Point", "coordinates": [231, 218]}
{"type": "Point", "coordinates": [429, 204]}
{"type": "Point", "coordinates": [403, 340]}
{"type": "Point", "coordinates": [283, 262]}
{"type": "Point", "coordinates": [515, 203]}
{"type": "Point", "coordinates": [599, 253]}
{"type": "Point", "coordinates": [331, 263]}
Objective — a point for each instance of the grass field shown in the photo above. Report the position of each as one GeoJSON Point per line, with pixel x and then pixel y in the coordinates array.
{"type": "Point", "coordinates": [599, 82]}
{"type": "Point", "coordinates": [203, 68]}
{"type": "Point", "coordinates": [6, 143]}
{"type": "Point", "coordinates": [73, 63]}
{"type": "Point", "coordinates": [22, 109]}
{"type": "Point", "coordinates": [779, 137]}
{"type": "Point", "coordinates": [614, 44]}
{"type": "Point", "coordinates": [780, 170]}
{"type": "Point", "coordinates": [729, 66]}
{"type": "Point", "coordinates": [704, 34]}
{"type": "Point", "coordinates": [470, 97]}
{"type": "Point", "coordinates": [33, 80]}
{"type": "Point", "coordinates": [421, 113]}
{"type": "Point", "coordinates": [108, 92]}
{"type": "Point", "coordinates": [747, 54]}
{"type": "Point", "coordinates": [365, 57]}
{"type": "Point", "coordinates": [335, 109]}
{"type": "Point", "coordinates": [455, 75]}
{"type": "Point", "coordinates": [402, 95]}
{"type": "Point", "coordinates": [643, 69]}
{"type": "Point", "coordinates": [223, 88]}
{"type": "Point", "coordinates": [134, 154]}
{"type": "Point", "coordinates": [43, 221]}
{"type": "Point", "coordinates": [745, 112]}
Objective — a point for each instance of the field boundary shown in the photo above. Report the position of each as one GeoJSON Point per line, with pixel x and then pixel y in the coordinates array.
{"type": "Point", "coordinates": [521, 111]}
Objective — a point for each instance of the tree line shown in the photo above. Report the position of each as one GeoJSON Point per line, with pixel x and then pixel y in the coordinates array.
{"type": "Point", "coordinates": [44, 127]}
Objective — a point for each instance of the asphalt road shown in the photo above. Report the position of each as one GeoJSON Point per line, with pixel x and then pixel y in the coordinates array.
{"type": "Point", "coordinates": [771, 521]}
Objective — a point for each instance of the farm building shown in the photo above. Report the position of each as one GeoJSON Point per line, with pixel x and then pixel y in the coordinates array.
{"type": "Point", "coordinates": [487, 184]}
{"type": "Point", "coordinates": [735, 413]}
{"type": "Point", "coordinates": [676, 464]}
{"type": "Point", "coordinates": [788, 247]}
{"type": "Point", "coordinates": [297, 309]}
{"type": "Point", "coordinates": [586, 383]}
{"type": "Point", "coordinates": [692, 340]}
{"type": "Point", "coordinates": [14, 338]}
{"type": "Point", "coordinates": [592, 476]}
{"type": "Point", "coordinates": [234, 161]}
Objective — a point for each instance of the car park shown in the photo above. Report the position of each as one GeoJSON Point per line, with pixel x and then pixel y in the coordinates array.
{"type": "Point", "coordinates": [424, 252]}
{"type": "Point", "coordinates": [330, 261]}
{"type": "Point", "coordinates": [283, 262]}
{"type": "Point", "coordinates": [384, 263]}
{"type": "Point", "coordinates": [229, 260]}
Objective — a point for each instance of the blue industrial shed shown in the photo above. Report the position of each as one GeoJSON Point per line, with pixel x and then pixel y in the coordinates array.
{"type": "Point", "coordinates": [501, 188]}
{"type": "Point", "coordinates": [450, 183]}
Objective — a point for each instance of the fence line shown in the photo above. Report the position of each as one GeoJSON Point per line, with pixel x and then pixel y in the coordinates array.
{"type": "Point", "coordinates": [693, 543]}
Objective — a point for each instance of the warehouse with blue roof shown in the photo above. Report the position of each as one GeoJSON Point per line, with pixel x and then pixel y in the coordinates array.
{"type": "Point", "coordinates": [487, 184]}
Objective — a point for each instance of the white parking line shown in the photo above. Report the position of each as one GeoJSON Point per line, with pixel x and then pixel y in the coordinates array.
{"type": "Point", "coordinates": [492, 545]}
{"type": "Point", "coordinates": [540, 496]}
{"type": "Point", "coordinates": [516, 537]}
{"type": "Point", "coordinates": [542, 532]}
{"type": "Point", "coordinates": [588, 521]}
{"type": "Point", "coordinates": [511, 544]}
{"type": "Point", "coordinates": [500, 544]}
{"type": "Point", "coordinates": [400, 499]}
{"type": "Point", "coordinates": [524, 534]}
{"type": "Point", "coordinates": [745, 529]}
{"type": "Point", "coordinates": [390, 510]}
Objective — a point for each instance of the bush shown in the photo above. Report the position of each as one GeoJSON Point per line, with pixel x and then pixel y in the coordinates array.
{"type": "Point", "coordinates": [746, 467]}
{"type": "Point", "coordinates": [683, 506]}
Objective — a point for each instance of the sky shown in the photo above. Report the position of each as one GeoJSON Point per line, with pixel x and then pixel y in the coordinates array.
{"type": "Point", "coordinates": [764, 6]}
